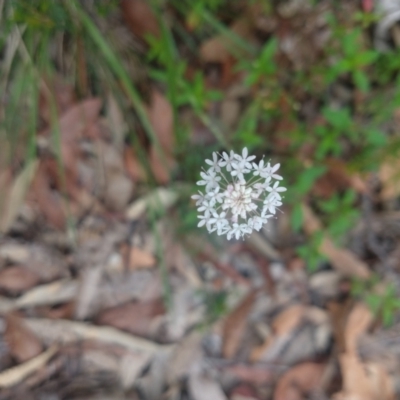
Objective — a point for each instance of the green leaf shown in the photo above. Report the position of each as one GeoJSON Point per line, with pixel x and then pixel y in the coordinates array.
{"type": "Point", "coordinates": [296, 217]}
{"type": "Point", "coordinates": [361, 80]}
{"type": "Point", "coordinates": [307, 178]}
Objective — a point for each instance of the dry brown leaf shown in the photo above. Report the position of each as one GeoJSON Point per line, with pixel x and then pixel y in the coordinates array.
{"type": "Point", "coordinates": [133, 317]}
{"type": "Point", "coordinates": [338, 177]}
{"type": "Point", "coordinates": [74, 122]}
{"type": "Point", "coordinates": [358, 322]}
{"type": "Point", "coordinates": [282, 327]}
{"type": "Point", "coordinates": [364, 381]}
{"type": "Point", "coordinates": [17, 279]}
{"type": "Point", "coordinates": [299, 381]}
{"type": "Point", "coordinates": [235, 325]}
{"type": "Point", "coordinates": [17, 195]}
{"type": "Point", "coordinates": [185, 357]}
{"type": "Point", "coordinates": [130, 367]}
{"type": "Point", "coordinates": [361, 381]}
{"type": "Point", "coordinates": [48, 201]}
{"type": "Point", "coordinates": [161, 117]}
{"type": "Point", "coordinates": [205, 388]}
{"type": "Point", "coordinates": [64, 331]}
{"type": "Point", "coordinates": [343, 260]}
{"type": "Point", "coordinates": [55, 91]}
{"type": "Point", "coordinates": [389, 176]}
{"type": "Point", "coordinates": [252, 374]}
{"type": "Point", "coordinates": [162, 120]}
{"type": "Point", "coordinates": [118, 191]}
{"type": "Point", "coordinates": [243, 392]}
{"type": "Point", "coordinates": [288, 319]}
{"type": "Point", "coordinates": [22, 342]}
{"type": "Point", "coordinates": [219, 49]}
{"type": "Point", "coordinates": [339, 312]}
{"type": "Point", "coordinates": [140, 18]}
{"type": "Point", "coordinates": [116, 122]}
{"type": "Point", "coordinates": [14, 375]}
{"type": "Point", "coordinates": [132, 165]}
{"type": "Point", "coordinates": [139, 258]}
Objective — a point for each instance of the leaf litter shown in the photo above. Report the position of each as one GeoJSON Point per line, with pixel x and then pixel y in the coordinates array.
{"type": "Point", "coordinates": [116, 302]}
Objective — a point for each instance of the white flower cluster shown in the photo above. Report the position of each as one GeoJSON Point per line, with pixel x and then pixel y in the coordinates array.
{"type": "Point", "coordinates": [240, 195]}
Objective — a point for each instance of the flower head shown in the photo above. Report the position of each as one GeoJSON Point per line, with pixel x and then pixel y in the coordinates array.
{"type": "Point", "coordinates": [240, 195]}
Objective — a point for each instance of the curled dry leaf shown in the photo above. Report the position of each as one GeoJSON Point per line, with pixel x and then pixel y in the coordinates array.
{"type": "Point", "coordinates": [134, 317]}
{"type": "Point", "coordinates": [22, 342]}
{"type": "Point", "coordinates": [299, 382]}
{"type": "Point", "coordinates": [256, 375]}
{"type": "Point", "coordinates": [161, 118]}
{"type": "Point", "coordinates": [220, 49]}
{"type": "Point", "coordinates": [55, 91]}
{"type": "Point", "coordinates": [244, 392]}
{"type": "Point", "coordinates": [16, 196]}
{"type": "Point", "coordinates": [282, 326]}
{"type": "Point", "coordinates": [14, 375]}
{"type": "Point", "coordinates": [338, 177]}
{"type": "Point", "coordinates": [235, 325]}
{"type": "Point", "coordinates": [358, 322]}
{"type": "Point", "coordinates": [185, 358]}
{"type": "Point", "coordinates": [139, 258]}
{"type": "Point", "coordinates": [48, 201]}
{"type": "Point", "coordinates": [205, 388]}
{"type": "Point", "coordinates": [17, 279]}
{"type": "Point", "coordinates": [78, 118]}
{"type": "Point", "coordinates": [390, 179]}
{"type": "Point", "coordinates": [364, 381]}
{"type": "Point", "coordinates": [132, 165]}
{"type": "Point", "coordinates": [343, 260]}
{"type": "Point", "coordinates": [140, 18]}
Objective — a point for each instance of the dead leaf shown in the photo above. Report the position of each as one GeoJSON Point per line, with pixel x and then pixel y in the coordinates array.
{"type": "Point", "coordinates": [389, 176]}
{"type": "Point", "coordinates": [17, 279]}
{"type": "Point", "coordinates": [132, 166]}
{"type": "Point", "coordinates": [185, 358]}
{"type": "Point", "coordinates": [161, 166]}
{"type": "Point", "coordinates": [338, 177]}
{"type": "Point", "coordinates": [364, 381]}
{"type": "Point", "coordinates": [55, 91]}
{"type": "Point", "coordinates": [361, 381]}
{"type": "Point", "coordinates": [118, 191]}
{"type": "Point", "coordinates": [48, 200]}
{"type": "Point", "coordinates": [252, 374]}
{"type": "Point", "coordinates": [202, 387]}
{"type": "Point", "coordinates": [339, 312]}
{"type": "Point", "coordinates": [140, 18]}
{"type": "Point", "coordinates": [161, 118]}
{"type": "Point", "coordinates": [235, 325]}
{"type": "Point", "coordinates": [116, 122]}
{"type": "Point", "coordinates": [14, 375]}
{"type": "Point", "coordinates": [298, 382]}
{"type": "Point", "coordinates": [343, 260]}
{"type": "Point", "coordinates": [243, 392]}
{"type": "Point", "coordinates": [130, 367]}
{"type": "Point", "coordinates": [22, 342]}
{"type": "Point", "coordinates": [160, 198]}
{"type": "Point", "coordinates": [358, 321]}
{"type": "Point", "coordinates": [139, 258]}
{"type": "Point", "coordinates": [220, 49]}
{"type": "Point", "coordinates": [78, 118]}
{"type": "Point", "coordinates": [17, 195]}
{"type": "Point", "coordinates": [133, 317]}
{"type": "Point", "coordinates": [64, 331]}
{"type": "Point", "coordinates": [282, 327]}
